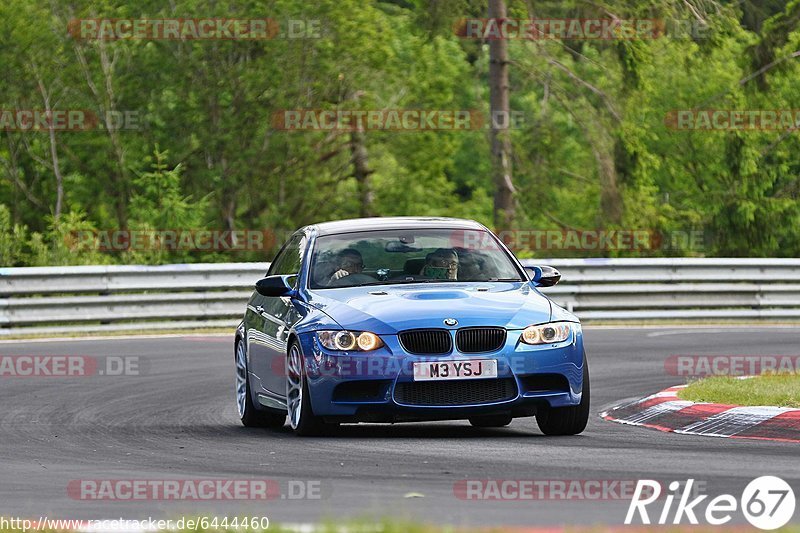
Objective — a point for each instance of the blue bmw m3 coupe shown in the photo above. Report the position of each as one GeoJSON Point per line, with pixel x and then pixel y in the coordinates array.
{"type": "Point", "coordinates": [407, 319]}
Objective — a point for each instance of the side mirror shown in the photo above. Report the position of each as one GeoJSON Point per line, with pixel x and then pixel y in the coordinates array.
{"type": "Point", "coordinates": [543, 276]}
{"type": "Point", "coordinates": [274, 286]}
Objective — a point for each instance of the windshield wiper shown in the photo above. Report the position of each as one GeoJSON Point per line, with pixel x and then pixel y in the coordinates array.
{"type": "Point", "coordinates": [404, 282]}
{"type": "Point", "coordinates": [432, 280]}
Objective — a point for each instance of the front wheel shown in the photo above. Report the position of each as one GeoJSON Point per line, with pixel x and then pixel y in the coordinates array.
{"type": "Point", "coordinates": [567, 420]}
{"type": "Point", "coordinates": [298, 400]}
{"type": "Point", "coordinates": [249, 415]}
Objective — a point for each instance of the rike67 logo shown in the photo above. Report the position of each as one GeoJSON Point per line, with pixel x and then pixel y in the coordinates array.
{"type": "Point", "coordinates": [767, 502]}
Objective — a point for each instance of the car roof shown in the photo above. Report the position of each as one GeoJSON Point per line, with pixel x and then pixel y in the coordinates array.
{"type": "Point", "coordinates": [389, 223]}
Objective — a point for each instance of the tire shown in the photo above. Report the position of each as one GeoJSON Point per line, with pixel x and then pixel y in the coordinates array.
{"type": "Point", "coordinates": [248, 413]}
{"type": "Point", "coordinates": [302, 419]}
{"type": "Point", "coordinates": [568, 420]}
{"type": "Point", "coordinates": [492, 421]}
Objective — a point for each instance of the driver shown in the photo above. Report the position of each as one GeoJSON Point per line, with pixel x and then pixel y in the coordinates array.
{"type": "Point", "coordinates": [441, 264]}
{"type": "Point", "coordinates": [349, 262]}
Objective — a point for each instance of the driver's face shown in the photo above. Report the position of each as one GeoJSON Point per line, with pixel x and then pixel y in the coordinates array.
{"type": "Point", "coordinates": [353, 264]}
{"type": "Point", "coordinates": [448, 262]}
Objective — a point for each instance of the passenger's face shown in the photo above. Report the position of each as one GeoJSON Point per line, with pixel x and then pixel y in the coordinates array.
{"type": "Point", "coordinates": [469, 269]}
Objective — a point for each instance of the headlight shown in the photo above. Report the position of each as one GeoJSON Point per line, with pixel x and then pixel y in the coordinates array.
{"type": "Point", "coordinates": [349, 340]}
{"type": "Point", "coordinates": [547, 333]}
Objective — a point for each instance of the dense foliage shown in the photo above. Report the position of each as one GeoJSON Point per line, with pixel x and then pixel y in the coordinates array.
{"type": "Point", "coordinates": [594, 148]}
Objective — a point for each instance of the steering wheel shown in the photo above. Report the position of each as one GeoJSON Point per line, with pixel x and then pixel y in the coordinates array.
{"type": "Point", "coordinates": [352, 279]}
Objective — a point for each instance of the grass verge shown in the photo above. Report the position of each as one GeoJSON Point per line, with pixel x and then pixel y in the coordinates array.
{"type": "Point", "coordinates": [780, 390]}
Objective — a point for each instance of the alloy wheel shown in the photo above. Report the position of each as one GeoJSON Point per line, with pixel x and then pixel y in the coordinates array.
{"type": "Point", "coordinates": [294, 385]}
{"type": "Point", "coordinates": [241, 377]}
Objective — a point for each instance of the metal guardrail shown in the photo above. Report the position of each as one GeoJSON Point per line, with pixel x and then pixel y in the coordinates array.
{"type": "Point", "coordinates": [680, 288]}
{"type": "Point", "coordinates": [96, 298]}
{"type": "Point", "coordinates": [124, 298]}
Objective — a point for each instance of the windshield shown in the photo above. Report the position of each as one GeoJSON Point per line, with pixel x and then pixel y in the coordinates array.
{"type": "Point", "coordinates": [407, 256]}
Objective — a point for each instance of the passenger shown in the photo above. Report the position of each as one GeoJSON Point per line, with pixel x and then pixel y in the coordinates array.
{"type": "Point", "coordinates": [470, 266]}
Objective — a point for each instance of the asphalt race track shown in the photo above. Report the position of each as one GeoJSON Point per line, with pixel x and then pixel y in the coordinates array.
{"type": "Point", "coordinates": [178, 421]}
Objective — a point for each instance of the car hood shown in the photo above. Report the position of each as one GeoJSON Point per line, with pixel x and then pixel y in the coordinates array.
{"type": "Point", "coordinates": [388, 309]}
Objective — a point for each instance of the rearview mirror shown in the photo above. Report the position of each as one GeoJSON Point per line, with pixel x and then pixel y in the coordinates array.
{"type": "Point", "coordinates": [400, 247]}
{"type": "Point", "coordinates": [275, 286]}
{"type": "Point", "coordinates": [543, 276]}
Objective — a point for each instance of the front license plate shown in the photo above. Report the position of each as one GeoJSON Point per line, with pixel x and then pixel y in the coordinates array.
{"type": "Point", "coordinates": [464, 369]}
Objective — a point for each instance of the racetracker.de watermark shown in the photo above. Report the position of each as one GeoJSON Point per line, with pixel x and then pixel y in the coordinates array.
{"type": "Point", "coordinates": [733, 119]}
{"type": "Point", "coordinates": [636, 240]}
{"type": "Point", "coordinates": [166, 29]}
{"type": "Point", "coordinates": [730, 365]}
{"type": "Point", "coordinates": [68, 120]}
{"type": "Point", "coordinates": [549, 489]}
{"type": "Point", "coordinates": [122, 490]}
{"type": "Point", "coordinates": [566, 28]}
{"type": "Point", "coordinates": [378, 366]}
{"type": "Point", "coordinates": [577, 29]}
{"type": "Point", "coordinates": [212, 240]}
{"type": "Point", "coordinates": [393, 120]}
{"type": "Point", "coordinates": [71, 366]}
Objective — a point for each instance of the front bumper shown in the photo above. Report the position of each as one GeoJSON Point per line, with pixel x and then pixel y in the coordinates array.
{"type": "Point", "coordinates": [374, 386]}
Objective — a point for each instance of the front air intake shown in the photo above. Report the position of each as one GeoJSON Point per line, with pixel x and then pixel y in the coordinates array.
{"type": "Point", "coordinates": [459, 392]}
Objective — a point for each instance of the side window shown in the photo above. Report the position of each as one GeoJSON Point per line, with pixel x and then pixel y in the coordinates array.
{"type": "Point", "coordinates": [290, 257]}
